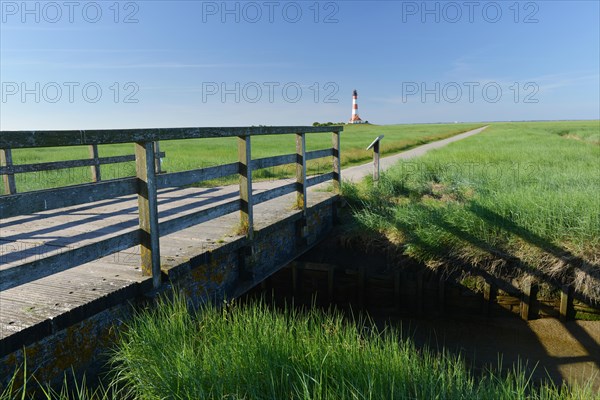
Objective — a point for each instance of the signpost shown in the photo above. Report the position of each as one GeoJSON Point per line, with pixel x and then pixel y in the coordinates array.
{"type": "Point", "coordinates": [375, 146]}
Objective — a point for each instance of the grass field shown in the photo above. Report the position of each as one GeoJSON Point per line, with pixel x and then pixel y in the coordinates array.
{"type": "Point", "coordinates": [184, 155]}
{"type": "Point", "coordinates": [253, 351]}
{"type": "Point", "coordinates": [517, 198]}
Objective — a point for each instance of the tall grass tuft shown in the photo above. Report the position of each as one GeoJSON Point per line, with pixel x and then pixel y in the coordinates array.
{"type": "Point", "coordinates": [254, 352]}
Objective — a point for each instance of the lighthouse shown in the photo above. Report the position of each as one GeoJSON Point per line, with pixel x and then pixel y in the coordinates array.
{"type": "Point", "coordinates": [355, 118]}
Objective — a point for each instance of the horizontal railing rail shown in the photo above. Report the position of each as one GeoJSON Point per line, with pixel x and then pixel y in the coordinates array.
{"type": "Point", "coordinates": [28, 139]}
{"type": "Point", "coordinates": [147, 182]}
{"type": "Point", "coordinates": [8, 169]}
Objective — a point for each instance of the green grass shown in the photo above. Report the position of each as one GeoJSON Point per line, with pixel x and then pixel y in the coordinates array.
{"type": "Point", "coordinates": [190, 154]}
{"type": "Point", "coordinates": [253, 351]}
{"type": "Point", "coordinates": [519, 195]}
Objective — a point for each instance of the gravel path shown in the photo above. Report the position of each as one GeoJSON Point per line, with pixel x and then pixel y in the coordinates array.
{"type": "Point", "coordinates": [355, 174]}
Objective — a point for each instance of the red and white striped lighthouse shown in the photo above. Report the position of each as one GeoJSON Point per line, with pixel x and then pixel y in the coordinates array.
{"type": "Point", "coordinates": [355, 118]}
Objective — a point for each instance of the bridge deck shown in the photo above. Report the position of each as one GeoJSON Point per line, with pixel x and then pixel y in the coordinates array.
{"type": "Point", "coordinates": [47, 303]}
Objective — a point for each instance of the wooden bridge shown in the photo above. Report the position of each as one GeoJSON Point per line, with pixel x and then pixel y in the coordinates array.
{"type": "Point", "coordinates": [73, 259]}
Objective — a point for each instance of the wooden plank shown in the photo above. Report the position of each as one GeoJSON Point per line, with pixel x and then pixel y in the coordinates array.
{"type": "Point", "coordinates": [268, 162]}
{"type": "Point", "coordinates": [25, 139]}
{"type": "Point", "coordinates": [273, 193]}
{"type": "Point", "coordinates": [245, 173]}
{"type": "Point", "coordinates": [148, 211]}
{"type": "Point", "coordinates": [312, 155]}
{"type": "Point", "coordinates": [46, 266]}
{"type": "Point", "coordinates": [54, 165]}
{"type": "Point", "coordinates": [42, 200]}
{"type": "Point", "coordinates": [337, 166]}
{"type": "Point", "coordinates": [10, 187]}
{"type": "Point", "coordinates": [184, 178]}
{"type": "Point", "coordinates": [49, 199]}
{"type": "Point", "coordinates": [95, 168]}
{"type": "Point", "coordinates": [198, 217]}
{"type": "Point", "coordinates": [315, 180]}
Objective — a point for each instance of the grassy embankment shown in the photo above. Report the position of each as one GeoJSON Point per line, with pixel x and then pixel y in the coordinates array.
{"type": "Point", "coordinates": [517, 199]}
{"type": "Point", "coordinates": [184, 155]}
{"type": "Point", "coordinates": [255, 352]}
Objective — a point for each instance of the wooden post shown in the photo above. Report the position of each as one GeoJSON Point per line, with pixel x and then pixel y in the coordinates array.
{"type": "Point", "coordinates": [245, 172]}
{"type": "Point", "coordinates": [529, 295]}
{"type": "Point", "coordinates": [337, 170]}
{"type": "Point", "coordinates": [96, 177]}
{"type": "Point", "coordinates": [489, 294]}
{"type": "Point", "coordinates": [565, 302]}
{"type": "Point", "coordinates": [376, 162]}
{"type": "Point", "coordinates": [10, 186]}
{"type": "Point", "coordinates": [157, 159]}
{"type": "Point", "coordinates": [148, 211]}
{"type": "Point", "coordinates": [301, 182]}
{"type": "Point", "coordinates": [375, 146]}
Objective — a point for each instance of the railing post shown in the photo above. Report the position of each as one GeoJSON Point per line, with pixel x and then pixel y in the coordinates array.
{"type": "Point", "coordinates": [337, 170]}
{"type": "Point", "coordinates": [301, 182]}
{"type": "Point", "coordinates": [245, 172]}
{"type": "Point", "coordinates": [301, 172]}
{"type": "Point", "coordinates": [157, 159]}
{"type": "Point", "coordinates": [96, 177]}
{"type": "Point", "coordinates": [148, 211]}
{"type": "Point", "coordinates": [10, 186]}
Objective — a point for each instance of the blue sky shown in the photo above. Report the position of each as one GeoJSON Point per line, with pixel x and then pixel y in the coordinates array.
{"type": "Point", "coordinates": [108, 64]}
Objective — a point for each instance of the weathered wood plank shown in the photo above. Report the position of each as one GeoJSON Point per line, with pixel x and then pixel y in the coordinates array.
{"type": "Point", "coordinates": [315, 180]}
{"type": "Point", "coordinates": [54, 165]}
{"type": "Point", "coordinates": [245, 173]}
{"type": "Point", "coordinates": [42, 200]}
{"type": "Point", "coordinates": [184, 178]}
{"type": "Point", "coordinates": [24, 139]}
{"type": "Point", "coordinates": [148, 211]}
{"type": "Point", "coordinates": [312, 155]}
{"type": "Point", "coordinates": [46, 266]}
{"type": "Point", "coordinates": [198, 217]}
{"type": "Point", "coordinates": [10, 187]}
{"type": "Point", "coordinates": [301, 172]}
{"type": "Point", "coordinates": [337, 165]}
{"type": "Point", "coordinates": [273, 193]}
{"type": "Point", "coordinates": [268, 162]}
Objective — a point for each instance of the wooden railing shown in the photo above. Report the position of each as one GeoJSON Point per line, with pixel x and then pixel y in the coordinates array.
{"type": "Point", "coordinates": [8, 169]}
{"type": "Point", "coordinates": [147, 182]}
